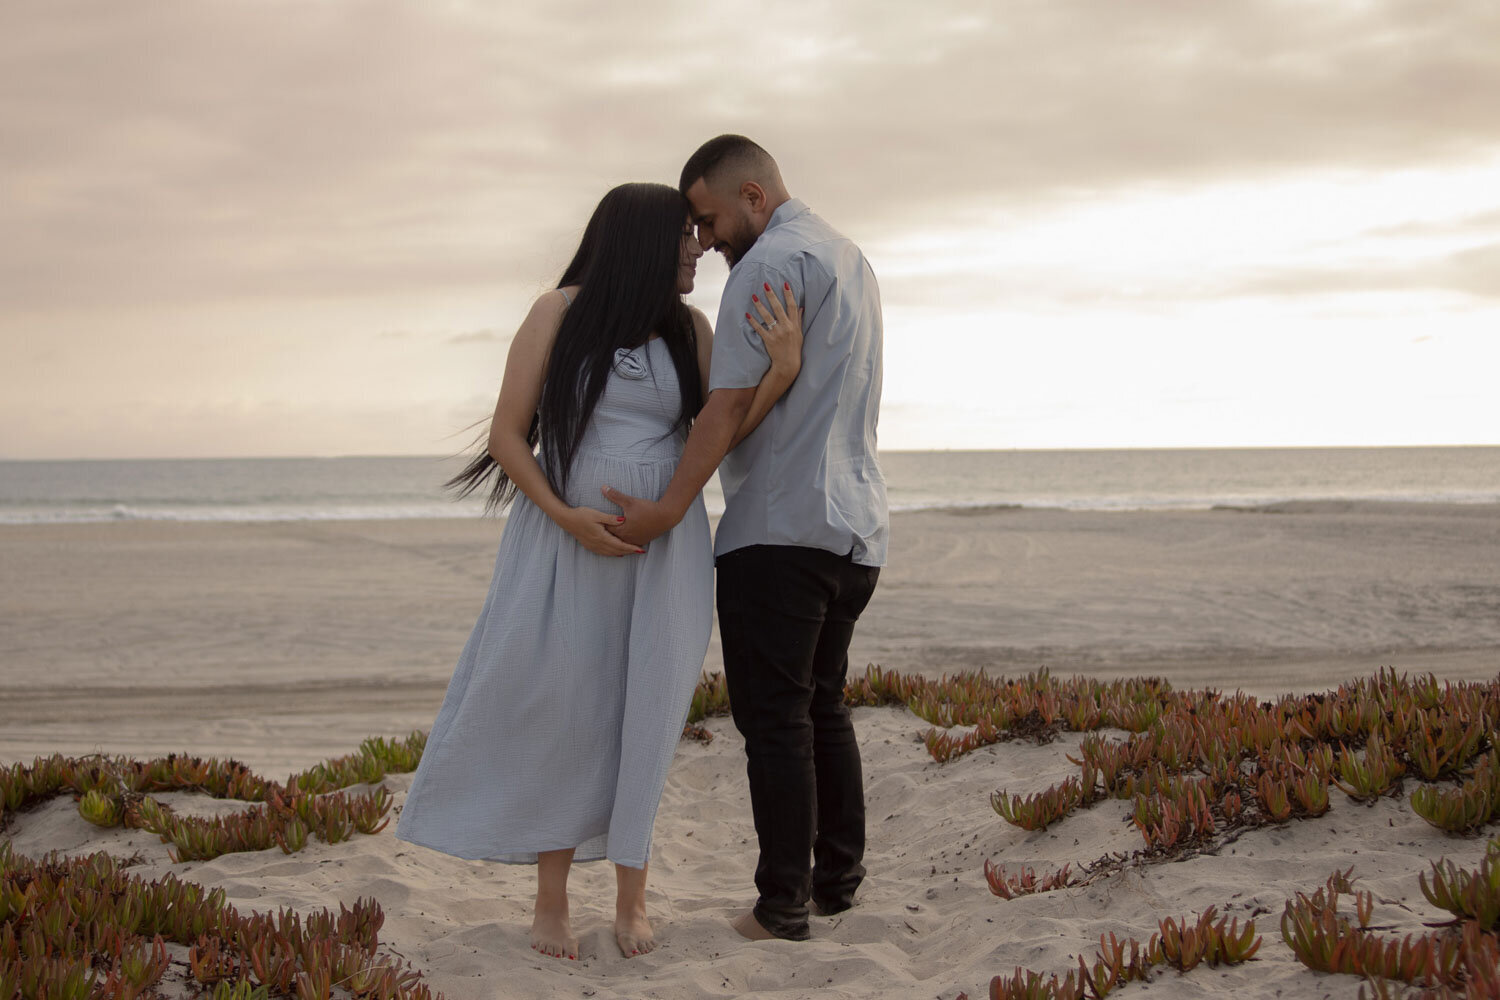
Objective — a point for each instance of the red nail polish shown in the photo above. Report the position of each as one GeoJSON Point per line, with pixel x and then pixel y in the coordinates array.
{"type": "Point", "coordinates": [619, 518]}
{"type": "Point", "coordinates": [787, 285]}
{"type": "Point", "coordinates": [755, 298]}
{"type": "Point", "coordinates": [747, 315]}
{"type": "Point", "coordinates": [768, 285]}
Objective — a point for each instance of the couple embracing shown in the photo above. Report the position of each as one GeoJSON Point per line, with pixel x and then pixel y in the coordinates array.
{"type": "Point", "coordinates": [619, 402]}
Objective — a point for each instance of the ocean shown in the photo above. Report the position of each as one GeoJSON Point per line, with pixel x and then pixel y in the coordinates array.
{"type": "Point", "coordinates": [282, 489]}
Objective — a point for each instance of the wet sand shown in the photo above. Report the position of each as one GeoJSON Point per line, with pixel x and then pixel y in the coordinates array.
{"type": "Point", "coordinates": [286, 642]}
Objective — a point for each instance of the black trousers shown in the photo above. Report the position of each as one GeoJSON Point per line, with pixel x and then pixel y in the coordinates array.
{"type": "Point", "coordinates": [786, 615]}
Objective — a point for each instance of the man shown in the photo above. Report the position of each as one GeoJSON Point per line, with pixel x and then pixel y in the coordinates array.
{"type": "Point", "coordinates": [804, 530]}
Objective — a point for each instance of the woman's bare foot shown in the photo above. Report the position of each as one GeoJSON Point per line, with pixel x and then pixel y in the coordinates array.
{"type": "Point", "coordinates": [632, 929]}
{"type": "Point", "coordinates": [750, 928]}
{"type": "Point", "coordinates": [552, 934]}
{"type": "Point", "coordinates": [633, 932]}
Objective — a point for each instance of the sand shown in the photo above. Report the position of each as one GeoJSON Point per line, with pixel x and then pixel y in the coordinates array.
{"type": "Point", "coordinates": [285, 643]}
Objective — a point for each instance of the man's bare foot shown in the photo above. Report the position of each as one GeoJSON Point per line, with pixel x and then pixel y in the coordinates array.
{"type": "Point", "coordinates": [552, 934]}
{"type": "Point", "coordinates": [750, 928]}
{"type": "Point", "coordinates": [633, 932]}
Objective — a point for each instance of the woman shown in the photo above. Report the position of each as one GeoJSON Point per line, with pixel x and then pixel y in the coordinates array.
{"type": "Point", "coordinates": [554, 738]}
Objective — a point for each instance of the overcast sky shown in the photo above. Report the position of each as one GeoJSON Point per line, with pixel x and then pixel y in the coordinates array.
{"type": "Point", "coordinates": [273, 228]}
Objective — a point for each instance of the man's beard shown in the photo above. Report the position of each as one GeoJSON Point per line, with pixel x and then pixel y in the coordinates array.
{"type": "Point", "coordinates": [733, 253]}
{"type": "Point", "coordinates": [736, 242]}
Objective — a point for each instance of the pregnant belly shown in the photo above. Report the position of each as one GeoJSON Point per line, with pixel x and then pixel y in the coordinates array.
{"type": "Point", "coordinates": [638, 477]}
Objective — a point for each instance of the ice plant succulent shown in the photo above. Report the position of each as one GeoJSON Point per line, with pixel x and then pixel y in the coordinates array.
{"type": "Point", "coordinates": [115, 791]}
{"type": "Point", "coordinates": [1367, 777]}
{"type": "Point", "coordinates": [1467, 807]}
{"type": "Point", "coordinates": [1185, 945]}
{"type": "Point", "coordinates": [1024, 882]}
{"type": "Point", "coordinates": [1439, 746]}
{"type": "Point", "coordinates": [83, 928]}
{"type": "Point", "coordinates": [1038, 811]}
{"type": "Point", "coordinates": [100, 808]}
{"type": "Point", "coordinates": [1258, 762]}
{"type": "Point", "coordinates": [1460, 958]}
{"type": "Point", "coordinates": [1469, 895]}
{"type": "Point", "coordinates": [112, 788]}
{"type": "Point", "coordinates": [1182, 943]}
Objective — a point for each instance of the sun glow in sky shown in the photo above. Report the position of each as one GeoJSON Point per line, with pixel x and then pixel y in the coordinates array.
{"type": "Point", "coordinates": [1327, 310]}
{"type": "Point", "coordinates": [266, 228]}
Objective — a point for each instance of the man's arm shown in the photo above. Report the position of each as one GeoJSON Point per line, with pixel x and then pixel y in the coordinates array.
{"type": "Point", "coordinates": [709, 442]}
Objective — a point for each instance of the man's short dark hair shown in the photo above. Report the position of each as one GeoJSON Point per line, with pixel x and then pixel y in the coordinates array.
{"type": "Point", "coordinates": [721, 152]}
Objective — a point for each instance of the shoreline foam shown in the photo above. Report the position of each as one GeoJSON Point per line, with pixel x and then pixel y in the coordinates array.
{"type": "Point", "coordinates": [262, 514]}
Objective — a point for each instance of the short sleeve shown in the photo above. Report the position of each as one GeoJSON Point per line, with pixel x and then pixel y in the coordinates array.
{"type": "Point", "coordinates": [739, 358]}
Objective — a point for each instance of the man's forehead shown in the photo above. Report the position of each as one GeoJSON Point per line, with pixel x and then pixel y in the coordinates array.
{"type": "Point", "coordinates": [701, 197]}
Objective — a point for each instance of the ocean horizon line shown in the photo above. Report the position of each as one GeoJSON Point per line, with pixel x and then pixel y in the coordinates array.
{"type": "Point", "coordinates": [361, 487]}
{"type": "Point", "coordinates": [1079, 450]}
{"type": "Point", "coordinates": [473, 509]}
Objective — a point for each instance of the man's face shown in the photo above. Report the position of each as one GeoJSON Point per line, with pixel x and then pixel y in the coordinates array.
{"type": "Point", "coordinates": [724, 223]}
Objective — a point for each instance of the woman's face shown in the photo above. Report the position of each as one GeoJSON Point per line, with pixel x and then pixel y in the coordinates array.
{"type": "Point", "coordinates": [687, 257]}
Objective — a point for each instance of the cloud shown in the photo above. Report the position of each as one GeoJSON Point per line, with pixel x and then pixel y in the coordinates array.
{"type": "Point", "coordinates": [1464, 225]}
{"type": "Point", "coordinates": [188, 150]}
{"type": "Point", "coordinates": [1046, 99]}
{"type": "Point", "coordinates": [1475, 272]}
{"type": "Point", "coordinates": [250, 186]}
{"type": "Point", "coordinates": [475, 337]}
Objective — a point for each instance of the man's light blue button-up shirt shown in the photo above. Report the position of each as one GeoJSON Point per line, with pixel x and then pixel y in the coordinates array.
{"type": "Point", "coordinates": [808, 475]}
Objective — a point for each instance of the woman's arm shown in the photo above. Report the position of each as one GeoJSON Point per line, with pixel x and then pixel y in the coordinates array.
{"type": "Point", "coordinates": [520, 392]}
{"type": "Point", "coordinates": [727, 416]}
{"type": "Point", "coordinates": [704, 332]}
{"type": "Point", "coordinates": [783, 336]}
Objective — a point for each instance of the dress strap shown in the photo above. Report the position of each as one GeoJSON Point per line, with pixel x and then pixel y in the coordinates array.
{"type": "Point", "coordinates": [566, 297]}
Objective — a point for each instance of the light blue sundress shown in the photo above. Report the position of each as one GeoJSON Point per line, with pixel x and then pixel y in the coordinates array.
{"type": "Point", "coordinates": [568, 701]}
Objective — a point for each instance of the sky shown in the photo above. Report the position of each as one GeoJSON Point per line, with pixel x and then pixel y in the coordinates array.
{"type": "Point", "coordinates": [260, 227]}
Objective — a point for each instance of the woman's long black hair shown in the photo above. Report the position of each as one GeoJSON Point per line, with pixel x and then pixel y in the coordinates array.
{"type": "Point", "coordinates": [626, 265]}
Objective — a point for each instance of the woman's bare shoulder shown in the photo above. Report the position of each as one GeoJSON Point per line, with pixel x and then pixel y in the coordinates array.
{"type": "Point", "coordinates": [544, 317]}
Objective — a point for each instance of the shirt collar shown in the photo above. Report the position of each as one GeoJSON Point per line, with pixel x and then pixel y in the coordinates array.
{"type": "Point", "coordinates": [786, 212]}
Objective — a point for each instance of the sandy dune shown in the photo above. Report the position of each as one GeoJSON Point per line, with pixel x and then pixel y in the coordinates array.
{"type": "Point", "coordinates": [925, 925]}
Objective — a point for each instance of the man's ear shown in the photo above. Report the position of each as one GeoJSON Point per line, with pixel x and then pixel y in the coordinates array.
{"type": "Point", "coordinates": [754, 196]}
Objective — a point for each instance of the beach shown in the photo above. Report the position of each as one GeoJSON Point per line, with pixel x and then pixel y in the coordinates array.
{"type": "Point", "coordinates": [284, 643]}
